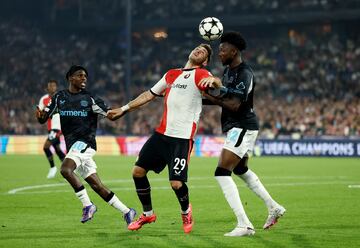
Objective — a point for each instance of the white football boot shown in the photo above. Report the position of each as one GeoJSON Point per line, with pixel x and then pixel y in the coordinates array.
{"type": "Point", "coordinates": [240, 232]}
{"type": "Point", "coordinates": [52, 172]}
{"type": "Point", "coordinates": [274, 214]}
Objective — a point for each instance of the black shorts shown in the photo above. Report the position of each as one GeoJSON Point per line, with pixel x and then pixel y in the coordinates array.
{"type": "Point", "coordinates": [160, 150]}
{"type": "Point", "coordinates": [54, 137]}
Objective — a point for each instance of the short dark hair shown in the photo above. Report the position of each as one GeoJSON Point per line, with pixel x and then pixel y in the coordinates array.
{"type": "Point", "coordinates": [234, 38]}
{"type": "Point", "coordinates": [52, 81]}
{"type": "Point", "coordinates": [73, 69]}
{"type": "Point", "coordinates": [208, 49]}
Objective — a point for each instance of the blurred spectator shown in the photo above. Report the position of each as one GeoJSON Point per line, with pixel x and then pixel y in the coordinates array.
{"type": "Point", "coordinates": [307, 83]}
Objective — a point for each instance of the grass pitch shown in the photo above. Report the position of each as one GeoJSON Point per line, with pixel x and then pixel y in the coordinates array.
{"type": "Point", "coordinates": [321, 195]}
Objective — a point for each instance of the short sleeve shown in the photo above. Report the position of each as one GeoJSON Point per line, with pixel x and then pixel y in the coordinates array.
{"type": "Point", "coordinates": [159, 88]}
{"type": "Point", "coordinates": [244, 84]}
{"type": "Point", "coordinates": [200, 74]}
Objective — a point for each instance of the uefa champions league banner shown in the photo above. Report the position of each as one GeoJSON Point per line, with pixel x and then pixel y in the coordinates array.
{"type": "Point", "coordinates": [204, 146]}
{"type": "Point", "coordinates": [210, 146]}
{"type": "Point", "coordinates": [313, 147]}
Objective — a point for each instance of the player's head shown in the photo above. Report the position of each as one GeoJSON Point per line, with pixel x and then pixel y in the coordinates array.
{"type": "Point", "coordinates": [77, 76]}
{"type": "Point", "coordinates": [201, 55]}
{"type": "Point", "coordinates": [51, 87]}
{"type": "Point", "coordinates": [231, 46]}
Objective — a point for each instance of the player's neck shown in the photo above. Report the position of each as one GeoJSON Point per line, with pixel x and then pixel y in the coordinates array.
{"type": "Point", "coordinates": [74, 90]}
{"type": "Point", "coordinates": [236, 62]}
{"type": "Point", "coordinates": [190, 65]}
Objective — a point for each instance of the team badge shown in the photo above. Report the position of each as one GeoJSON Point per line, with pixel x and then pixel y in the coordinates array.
{"type": "Point", "coordinates": [84, 103]}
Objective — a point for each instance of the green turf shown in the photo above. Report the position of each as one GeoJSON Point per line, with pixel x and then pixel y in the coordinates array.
{"type": "Point", "coordinates": [322, 211]}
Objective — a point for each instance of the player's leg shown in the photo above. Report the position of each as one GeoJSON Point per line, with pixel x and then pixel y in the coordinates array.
{"type": "Point", "coordinates": [275, 210]}
{"type": "Point", "coordinates": [178, 160]}
{"type": "Point", "coordinates": [149, 159]}
{"type": "Point", "coordinates": [94, 181]}
{"type": "Point", "coordinates": [56, 144]}
{"type": "Point", "coordinates": [223, 176]}
{"type": "Point", "coordinates": [143, 191]}
{"type": "Point", "coordinates": [229, 158]}
{"type": "Point", "coordinates": [50, 158]}
{"type": "Point", "coordinates": [67, 171]}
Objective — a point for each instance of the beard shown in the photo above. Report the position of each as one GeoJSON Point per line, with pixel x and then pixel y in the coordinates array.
{"type": "Point", "coordinates": [227, 61]}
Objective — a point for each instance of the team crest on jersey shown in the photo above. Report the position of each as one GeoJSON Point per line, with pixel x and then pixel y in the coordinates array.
{"type": "Point", "coordinates": [187, 76]}
{"type": "Point", "coordinates": [240, 86]}
{"type": "Point", "coordinates": [84, 103]}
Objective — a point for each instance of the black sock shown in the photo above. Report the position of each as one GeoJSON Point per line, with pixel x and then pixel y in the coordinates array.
{"type": "Point", "coordinates": [49, 156]}
{"type": "Point", "coordinates": [143, 191]}
{"type": "Point", "coordinates": [183, 197]}
{"type": "Point", "coordinates": [60, 154]}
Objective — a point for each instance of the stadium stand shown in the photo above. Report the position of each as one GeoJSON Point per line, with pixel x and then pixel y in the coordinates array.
{"type": "Point", "coordinates": [307, 74]}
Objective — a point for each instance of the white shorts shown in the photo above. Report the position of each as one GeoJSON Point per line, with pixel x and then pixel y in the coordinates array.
{"type": "Point", "coordinates": [240, 141]}
{"type": "Point", "coordinates": [85, 165]}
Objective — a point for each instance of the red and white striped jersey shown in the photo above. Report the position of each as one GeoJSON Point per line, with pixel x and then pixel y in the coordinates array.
{"type": "Point", "coordinates": [54, 122]}
{"type": "Point", "coordinates": [182, 101]}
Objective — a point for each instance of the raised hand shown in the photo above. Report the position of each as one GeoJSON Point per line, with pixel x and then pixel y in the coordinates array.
{"type": "Point", "coordinates": [115, 114]}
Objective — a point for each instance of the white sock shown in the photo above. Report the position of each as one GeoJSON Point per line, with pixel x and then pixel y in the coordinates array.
{"type": "Point", "coordinates": [116, 203]}
{"type": "Point", "coordinates": [254, 183]}
{"type": "Point", "coordinates": [149, 213]}
{"type": "Point", "coordinates": [83, 197]}
{"type": "Point", "coordinates": [231, 193]}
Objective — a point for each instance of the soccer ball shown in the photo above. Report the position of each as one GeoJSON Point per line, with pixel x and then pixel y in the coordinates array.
{"type": "Point", "coordinates": [211, 28]}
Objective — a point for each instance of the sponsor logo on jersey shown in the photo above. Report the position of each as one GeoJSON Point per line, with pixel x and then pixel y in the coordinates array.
{"type": "Point", "coordinates": [187, 76]}
{"type": "Point", "coordinates": [62, 102]}
{"type": "Point", "coordinates": [73, 113]}
{"type": "Point", "coordinates": [179, 86]}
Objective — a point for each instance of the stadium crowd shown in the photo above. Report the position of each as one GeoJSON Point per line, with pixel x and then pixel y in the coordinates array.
{"type": "Point", "coordinates": [174, 10]}
{"type": "Point", "coordinates": [307, 82]}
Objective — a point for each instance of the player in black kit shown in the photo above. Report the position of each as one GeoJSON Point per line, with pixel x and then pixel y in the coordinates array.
{"type": "Point", "coordinates": [79, 111]}
{"type": "Point", "coordinates": [240, 124]}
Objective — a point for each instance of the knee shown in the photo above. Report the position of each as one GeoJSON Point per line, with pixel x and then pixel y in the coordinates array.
{"type": "Point", "coordinates": [241, 167]}
{"type": "Point", "coordinates": [138, 172]}
{"type": "Point", "coordinates": [67, 168]}
{"type": "Point", "coordinates": [65, 172]}
{"type": "Point", "coordinates": [175, 185]}
{"type": "Point", "coordinates": [239, 170]}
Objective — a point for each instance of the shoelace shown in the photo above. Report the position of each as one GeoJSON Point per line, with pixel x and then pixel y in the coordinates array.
{"type": "Point", "coordinates": [186, 218]}
{"type": "Point", "coordinates": [86, 212]}
{"type": "Point", "coordinates": [141, 219]}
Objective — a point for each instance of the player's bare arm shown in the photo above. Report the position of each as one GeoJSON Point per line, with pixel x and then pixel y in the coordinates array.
{"type": "Point", "coordinates": [211, 82]}
{"type": "Point", "coordinates": [232, 104]}
{"type": "Point", "coordinates": [142, 99]}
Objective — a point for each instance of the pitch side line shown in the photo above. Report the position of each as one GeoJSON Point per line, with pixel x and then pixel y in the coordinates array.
{"type": "Point", "coordinates": [19, 190]}
{"type": "Point", "coordinates": [354, 186]}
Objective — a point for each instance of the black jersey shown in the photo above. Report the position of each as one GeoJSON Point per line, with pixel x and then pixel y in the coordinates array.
{"type": "Point", "coordinates": [78, 115]}
{"type": "Point", "coordinates": [240, 84]}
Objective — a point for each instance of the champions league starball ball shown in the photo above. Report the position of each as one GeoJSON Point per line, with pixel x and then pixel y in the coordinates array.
{"type": "Point", "coordinates": [210, 28]}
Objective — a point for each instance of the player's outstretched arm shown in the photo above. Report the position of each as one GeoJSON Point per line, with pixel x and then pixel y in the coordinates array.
{"type": "Point", "coordinates": [211, 82]}
{"type": "Point", "coordinates": [232, 104]}
{"type": "Point", "coordinates": [41, 115]}
{"type": "Point", "coordinates": [142, 99]}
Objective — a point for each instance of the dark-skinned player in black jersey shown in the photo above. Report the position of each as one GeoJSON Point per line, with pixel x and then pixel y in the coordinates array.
{"type": "Point", "coordinates": [79, 110]}
{"type": "Point", "coordinates": [239, 122]}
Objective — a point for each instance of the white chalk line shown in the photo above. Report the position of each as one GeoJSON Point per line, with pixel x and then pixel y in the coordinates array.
{"type": "Point", "coordinates": [29, 189]}
{"type": "Point", "coordinates": [354, 186]}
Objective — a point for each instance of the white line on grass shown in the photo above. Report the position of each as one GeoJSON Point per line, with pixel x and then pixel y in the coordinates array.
{"type": "Point", "coordinates": [355, 186]}
{"type": "Point", "coordinates": [292, 184]}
